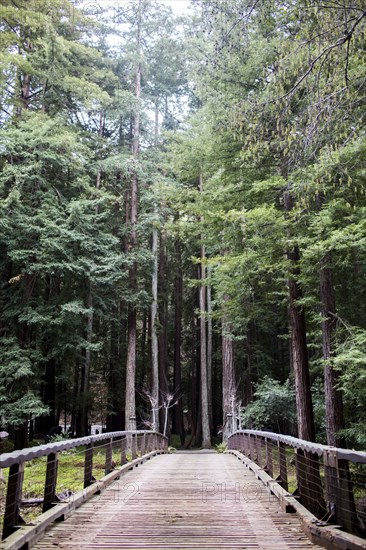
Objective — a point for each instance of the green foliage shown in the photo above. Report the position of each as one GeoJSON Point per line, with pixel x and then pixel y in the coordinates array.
{"type": "Point", "coordinates": [351, 361]}
{"type": "Point", "coordinates": [273, 407]}
{"type": "Point", "coordinates": [221, 447]}
{"type": "Point", "coordinates": [59, 437]}
{"type": "Point", "coordinates": [266, 107]}
{"type": "Point", "coordinates": [17, 397]}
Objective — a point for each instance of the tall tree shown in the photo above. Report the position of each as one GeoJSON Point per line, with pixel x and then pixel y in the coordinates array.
{"type": "Point", "coordinates": [206, 433]}
{"type": "Point", "coordinates": [130, 406]}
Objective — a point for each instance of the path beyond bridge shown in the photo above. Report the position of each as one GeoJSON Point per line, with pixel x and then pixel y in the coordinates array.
{"type": "Point", "coordinates": [181, 500]}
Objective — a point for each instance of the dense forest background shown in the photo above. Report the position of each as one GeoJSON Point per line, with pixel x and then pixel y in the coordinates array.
{"type": "Point", "coordinates": [183, 217]}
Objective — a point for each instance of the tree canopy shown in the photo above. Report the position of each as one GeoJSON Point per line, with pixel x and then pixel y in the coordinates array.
{"type": "Point", "coordinates": [183, 218]}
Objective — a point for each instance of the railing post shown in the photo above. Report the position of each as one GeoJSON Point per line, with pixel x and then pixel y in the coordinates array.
{"type": "Point", "coordinates": [13, 498]}
{"type": "Point", "coordinates": [246, 445]}
{"type": "Point", "coordinates": [123, 450]}
{"type": "Point", "coordinates": [339, 491]}
{"type": "Point", "coordinates": [143, 444]}
{"type": "Point", "coordinates": [258, 444]}
{"type": "Point", "coordinates": [49, 496]}
{"type": "Point", "coordinates": [128, 444]}
{"type": "Point", "coordinates": [283, 466]}
{"type": "Point", "coordinates": [269, 461]}
{"type": "Point", "coordinates": [330, 471]}
{"type": "Point", "coordinates": [347, 507]}
{"type": "Point", "coordinates": [302, 477]}
{"type": "Point", "coordinates": [251, 447]}
{"type": "Point", "coordinates": [88, 465]}
{"type": "Point", "coordinates": [134, 446]}
{"type": "Point", "coordinates": [148, 445]}
{"type": "Point", "coordinates": [108, 457]}
{"type": "Point", "coordinates": [309, 484]}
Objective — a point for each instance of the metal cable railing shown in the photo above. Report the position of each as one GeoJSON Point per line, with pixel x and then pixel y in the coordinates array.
{"type": "Point", "coordinates": [38, 476]}
{"type": "Point", "coordinates": [328, 481]}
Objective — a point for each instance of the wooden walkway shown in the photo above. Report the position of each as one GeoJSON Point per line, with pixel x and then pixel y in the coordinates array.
{"type": "Point", "coordinates": [183, 500]}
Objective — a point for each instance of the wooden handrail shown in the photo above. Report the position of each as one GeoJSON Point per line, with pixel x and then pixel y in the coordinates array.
{"type": "Point", "coordinates": [139, 439]}
{"type": "Point", "coordinates": [329, 495]}
{"type": "Point", "coordinates": [315, 448]}
{"type": "Point", "coordinates": [24, 455]}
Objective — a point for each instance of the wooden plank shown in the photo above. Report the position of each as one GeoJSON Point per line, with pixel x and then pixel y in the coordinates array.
{"type": "Point", "coordinates": [184, 500]}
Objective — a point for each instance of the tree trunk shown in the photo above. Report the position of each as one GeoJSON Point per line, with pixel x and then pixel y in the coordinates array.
{"type": "Point", "coordinates": [144, 351]}
{"type": "Point", "coordinates": [308, 475]}
{"type": "Point", "coordinates": [333, 396]}
{"type": "Point", "coordinates": [228, 377]}
{"type": "Point", "coordinates": [45, 423]}
{"type": "Point", "coordinates": [178, 301]}
{"type": "Point", "coordinates": [48, 387]}
{"type": "Point", "coordinates": [85, 382]}
{"type": "Point", "coordinates": [75, 423]}
{"type": "Point", "coordinates": [299, 352]}
{"type": "Point", "coordinates": [248, 389]}
{"type": "Point", "coordinates": [154, 331]}
{"type": "Point", "coordinates": [192, 417]}
{"type": "Point", "coordinates": [85, 389]}
{"type": "Point", "coordinates": [206, 432]}
{"type": "Point", "coordinates": [20, 436]}
{"type": "Point", "coordinates": [340, 493]}
{"type": "Point", "coordinates": [24, 84]}
{"type": "Point", "coordinates": [154, 305]}
{"type": "Point", "coordinates": [163, 321]}
{"type": "Point", "coordinates": [116, 378]}
{"type": "Point", "coordinates": [130, 402]}
{"type": "Point", "coordinates": [209, 352]}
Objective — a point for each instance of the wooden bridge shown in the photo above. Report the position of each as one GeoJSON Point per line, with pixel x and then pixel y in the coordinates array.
{"type": "Point", "coordinates": [248, 497]}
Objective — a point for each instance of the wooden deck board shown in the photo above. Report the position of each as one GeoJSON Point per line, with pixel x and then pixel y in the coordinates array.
{"type": "Point", "coordinates": [181, 501]}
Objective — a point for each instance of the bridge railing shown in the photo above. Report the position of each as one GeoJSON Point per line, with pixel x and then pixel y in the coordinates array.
{"type": "Point", "coordinates": [91, 458]}
{"type": "Point", "coordinates": [328, 481]}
